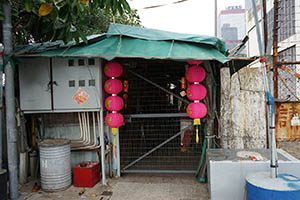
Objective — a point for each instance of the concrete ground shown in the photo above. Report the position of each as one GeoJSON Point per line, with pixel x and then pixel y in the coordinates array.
{"type": "Point", "coordinates": [131, 187]}
{"type": "Point", "coordinates": [292, 148]}
{"type": "Point", "coordinates": [141, 186]}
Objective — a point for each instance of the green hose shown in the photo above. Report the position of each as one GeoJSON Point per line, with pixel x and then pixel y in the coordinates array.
{"type": "Point", "coordinates": [202, 158]}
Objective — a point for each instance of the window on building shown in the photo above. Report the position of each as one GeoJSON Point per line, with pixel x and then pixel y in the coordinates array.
{"type": "Point", "coordinates": [286, 20]}
{"type": "Point", "coordinates": [286, 17]}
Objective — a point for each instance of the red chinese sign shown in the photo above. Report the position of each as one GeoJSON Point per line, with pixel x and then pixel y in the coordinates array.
{"type": "Point", "coordinates": [81, 96]}
{"type": "Point", "coordinates": [285, 129]}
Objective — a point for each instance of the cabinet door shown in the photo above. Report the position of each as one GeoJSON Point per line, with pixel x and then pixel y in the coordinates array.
{"type": "Point", "coordinates": [76, 84]}
{"type": "Point", "coordinates": [35, 91]}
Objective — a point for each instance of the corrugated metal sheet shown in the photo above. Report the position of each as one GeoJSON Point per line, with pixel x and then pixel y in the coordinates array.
{"type": "Point", "coordinates": [284, 114]}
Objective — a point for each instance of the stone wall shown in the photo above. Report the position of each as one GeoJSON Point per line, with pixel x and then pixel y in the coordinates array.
{"type": "Point", "coordinates": [243, 112]}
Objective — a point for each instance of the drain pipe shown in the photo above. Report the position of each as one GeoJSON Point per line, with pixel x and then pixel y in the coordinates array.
{"type": "Point", "coordinates": [92, 144]}
{"type": "Point", "coordinates": [11, 130]}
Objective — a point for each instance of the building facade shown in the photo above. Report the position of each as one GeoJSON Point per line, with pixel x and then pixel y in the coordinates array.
{"type": "Point", "coordinates": [231, 26]}
{"type": "Point", "coordinates": [288, 42]}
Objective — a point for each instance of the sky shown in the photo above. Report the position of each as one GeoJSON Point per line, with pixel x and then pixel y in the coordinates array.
{"type": "Point", "coordinates": [192, 16]}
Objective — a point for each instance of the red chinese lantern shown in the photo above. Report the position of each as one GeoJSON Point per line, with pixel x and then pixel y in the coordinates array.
{"type": "Point", "coordinates": [114, 103]}
{"type": "Point", "coordinates": [113, 86]}
{"type": "Point", "coordinates": [195, 74]}
{"type": "Point", "coordinates": [196, 92]}
{"type": "Point", "coordinates": [113, 69]}
{"type": "Point", "coordinates": [114, 120]}
{"type": "Point", "coordinates": [196, 110]}
{"type": "Point", "coordinates": [195, 62]}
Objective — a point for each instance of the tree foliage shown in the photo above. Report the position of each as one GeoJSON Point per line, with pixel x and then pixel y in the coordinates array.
{"type": "Point", "coordinates": [50, 20]}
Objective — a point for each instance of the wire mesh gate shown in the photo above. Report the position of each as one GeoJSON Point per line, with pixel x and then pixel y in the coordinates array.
{"type": "Point", "coordinates": [158, 136]}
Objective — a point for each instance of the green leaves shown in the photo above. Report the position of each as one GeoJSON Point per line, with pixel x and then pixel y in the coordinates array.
{"type": "Point", "coordinates": [28, 5]}
{"type": "Point", "coordinates": [67, 20]}
{"type": "Point", "coordinates": [114, 6]}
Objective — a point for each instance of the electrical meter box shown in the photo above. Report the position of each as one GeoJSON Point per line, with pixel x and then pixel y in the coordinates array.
{"type": "Point", "coordinates": [60, 85]}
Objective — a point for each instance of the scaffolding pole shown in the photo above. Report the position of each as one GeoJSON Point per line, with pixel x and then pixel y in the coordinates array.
{"type": "Point", "coordinates": [269, 98]}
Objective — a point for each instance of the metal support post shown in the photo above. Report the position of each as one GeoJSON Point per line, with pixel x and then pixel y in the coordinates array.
{"type": "Point", "coordinates": [264, 9]}
{"type": "Point", "coordinates": [269, 97]}
{"type": "Point", "coordinates": [11, 130]}
{"type": "Point", "coordinates": [274, 164]}
{"type": "Point", "coordinates": [275, 49]}
{"type": "Point", "coordinates": [216, 18]}
{"type": "Point", "coordinates": [101, 124]}
{"type": "Point", "coordinates": [118, 154]}
{"type": "Point", "coordinates": [1, 105]}
{"type": "Point", "coordinates": [102, 147]}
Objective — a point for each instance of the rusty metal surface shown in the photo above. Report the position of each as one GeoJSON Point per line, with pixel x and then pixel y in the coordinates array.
{"type": "Point", "coordinates": [284, 113]}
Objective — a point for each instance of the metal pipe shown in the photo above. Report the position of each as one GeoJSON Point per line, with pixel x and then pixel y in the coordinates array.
{"type": "Point", "coordinates": [269, 97]}
{"type": "Point", "coordinates": [101, 131]}
{"type": "Point", "coordinates": [275, 50]}
{"type": "Point", "coordinates": [118, 154]}
{"type": "Point", "coordinates": [11, 129]}
{"type": "Point", "coordinates": [1, 105]}
{"type": "Point", "coordinates": [87, 144]}
{"type": "Point", "coordinates": [157, 147]}
{"type": "Point", "coordinates": [81, 131]}
{"type": "Point", "coordinates": [91, 144]}
{"type": "Point", "coordinates": [274, 161]}
{"type": "Point", "coordinates": [258, 31]}
{"type": "Point", "coordinates": [264, 9]}
{"type": "Point", "coordinates": [216, 18]}
{"type": "Point", "coordinates": [288, 62]}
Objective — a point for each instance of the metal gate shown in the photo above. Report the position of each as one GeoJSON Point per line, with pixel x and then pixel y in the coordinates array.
{"type": "Point", "coordinates": [158, 136]}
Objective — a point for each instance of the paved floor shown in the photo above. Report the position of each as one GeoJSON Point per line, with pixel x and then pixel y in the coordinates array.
{"type": "Point", "coordinates": [131, 187]}
{"type": "Point", "coordinates": [141, 187]}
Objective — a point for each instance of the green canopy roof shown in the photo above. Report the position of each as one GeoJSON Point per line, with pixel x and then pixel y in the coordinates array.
{"type": "Point", "coordinates": [137, 42]}
{"type": "Point", "coordinates": [158, 35]}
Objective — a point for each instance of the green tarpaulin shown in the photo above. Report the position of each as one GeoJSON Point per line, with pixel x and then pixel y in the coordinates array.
{"type": "Point", "coordinates": [136, 42]}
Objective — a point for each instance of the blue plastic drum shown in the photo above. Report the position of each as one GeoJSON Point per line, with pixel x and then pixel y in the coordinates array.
{"type": "Point", "coordinates": [260, 186]}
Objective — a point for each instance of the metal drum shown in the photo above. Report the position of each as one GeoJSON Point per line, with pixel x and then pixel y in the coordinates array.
{"type": "Point", "coordinates": [260, 186]}
{"type": "Point", "coordinates": [55, 158]}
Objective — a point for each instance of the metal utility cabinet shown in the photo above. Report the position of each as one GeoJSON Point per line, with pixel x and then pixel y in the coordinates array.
{"type": "Point", "coordinates": [60, 85]}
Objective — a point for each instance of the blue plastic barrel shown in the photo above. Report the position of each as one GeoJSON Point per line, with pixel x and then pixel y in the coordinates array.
{"type": "Point", "coordinates": [260, 186]}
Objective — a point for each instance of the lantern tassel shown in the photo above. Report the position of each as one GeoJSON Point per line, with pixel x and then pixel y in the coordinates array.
{"type": "Point", "coordinates": [197, 122]}
{"type": "Point", "coordinates": [197, 135]}
{"type": "Point", "coordinates": [114, 145]}
{"type": "Point", "coordinates": [114, 132]}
